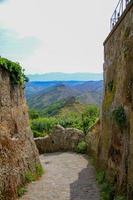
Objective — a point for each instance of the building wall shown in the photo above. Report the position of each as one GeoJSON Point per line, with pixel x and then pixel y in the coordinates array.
{"type": "Point", "coordinates": [116, 138]}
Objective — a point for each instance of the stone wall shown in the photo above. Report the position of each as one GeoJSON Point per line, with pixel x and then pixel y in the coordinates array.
{"type": "Point", "coordinates": [18, 151]}
{"type": "Point", "coordinates": [60, 139]}
{"type": "Point", "coordinates": [116, 139]}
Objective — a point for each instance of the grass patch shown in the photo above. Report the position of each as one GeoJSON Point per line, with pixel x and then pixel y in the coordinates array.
{"type": "Point", "coordinates": [30, 176]}
{"type": "Point", "coordinates": [21, 191]}
{"type": "Point", "coordinates": [120, 198]}
{"type": "Point", "coordinates": [81, 147]}
{"type": "Point", "coordinates": [39, 170]}
{"type": "Point", "coordinates": [106, 188]}
{"type": "Point", "coordinates": [37, 134]}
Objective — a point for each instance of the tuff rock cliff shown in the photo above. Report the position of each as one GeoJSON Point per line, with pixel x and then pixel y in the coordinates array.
{"type": "Point", "coordinates": [116, 140]}
{"type": "Point", "coordinates": [18, 153]}
{"type": "Point", "coordinates": [112, 145]}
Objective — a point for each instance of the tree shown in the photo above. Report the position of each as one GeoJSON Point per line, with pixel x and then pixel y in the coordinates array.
{"type": "Point", "coordinates": [89, 117]}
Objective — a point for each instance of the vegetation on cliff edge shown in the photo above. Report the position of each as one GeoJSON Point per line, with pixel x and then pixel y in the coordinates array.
{"type": "Point", "coordinates": [15, 70]}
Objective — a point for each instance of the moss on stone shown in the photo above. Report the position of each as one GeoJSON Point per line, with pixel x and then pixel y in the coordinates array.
{"type": "Point", "coordinates": [119, 116]}
{"type": "Point", "coordinates": [127, 32]}
{"type": "Point", "coordinates": [109, 95]}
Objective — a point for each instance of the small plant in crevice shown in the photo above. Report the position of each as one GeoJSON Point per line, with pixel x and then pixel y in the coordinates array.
{"type": "Point", "coordinates": [111, 86]}
{"type": "Point", "coordinates": [81, 147]}
{"type": "Point", "coordinates": [119, 116]}
{"type": "Point", "coordinates": [127, 32]}
{"type": "Point", "coordinates": [33, 176]}
{"type": "Point", "coordinates": [106, 188]}
{"type": "Point", "coordinates": [39, 170]}
{"type": "Point", "coordinates": [120, 198]}
{"type": "Point", "coordinates": [30, 177]}
{"type": "Point", "coordinates": [21, 191]}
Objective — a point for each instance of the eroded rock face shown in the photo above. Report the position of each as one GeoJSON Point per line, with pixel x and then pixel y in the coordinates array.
{"type": "Point", "coordinates": [92, 140]}
{"type": "Point", "coordinates": [116, 140]}
{"type": "Point", "coordinates": [60, 139]}
{"type": "Point", "coordinates": [18, 152]}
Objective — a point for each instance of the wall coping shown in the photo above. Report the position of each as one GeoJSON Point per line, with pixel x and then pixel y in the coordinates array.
{"type": "Point", "coordinates": [129, 6]}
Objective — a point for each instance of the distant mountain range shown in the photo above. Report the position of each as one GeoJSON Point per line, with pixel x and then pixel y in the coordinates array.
{"type": "Point", "coordinates": [58, 76]}
{"type": "Point", "coordinates": [56, 94]}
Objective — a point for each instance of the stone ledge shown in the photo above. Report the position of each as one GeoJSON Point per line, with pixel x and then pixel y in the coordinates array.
{"type": "Point", "coordinates": [119, 21]}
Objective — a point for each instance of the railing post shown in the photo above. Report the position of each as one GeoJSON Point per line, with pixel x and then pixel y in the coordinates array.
{"type": "Point", "coordinates": [121, 6]}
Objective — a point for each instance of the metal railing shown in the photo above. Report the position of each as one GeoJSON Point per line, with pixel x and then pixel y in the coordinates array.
{"type": "Point", "coordinates": [121, 6]}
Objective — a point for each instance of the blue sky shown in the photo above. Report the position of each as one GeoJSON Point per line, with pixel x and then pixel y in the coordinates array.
{"type": "Point", "coordinates": [55, 35]}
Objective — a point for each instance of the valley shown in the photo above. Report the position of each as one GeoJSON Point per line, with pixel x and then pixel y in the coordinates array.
{"type": "Point", "coordinates": [72, 104]}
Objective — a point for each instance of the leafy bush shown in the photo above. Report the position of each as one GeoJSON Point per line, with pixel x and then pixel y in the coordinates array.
{"type": "Point", "coordinates": [100, 177]}
{"type": "Point", "coordinates": [106, 189]}
{"type": "Point", "coordinates": [119, 116]}
{"type": "Point", "coordinates": [39, 170]}
{"type": "Point", "coordinates": [70, 120]}
{"type": "Point", "coordinates": [120, 198]}
{"type": "Point", "coordinates": [81, 147]}
{"type": "Point", "coordinates": [21, 191]}
{"type": "Point", "coordinates": [42, 126]}
{"type": "Point", "coordinates": [111, 86]}
{"type": "Point", "coordinates": [89, 117]}
{"type": "Point", "coordinates": [34, 114]}
{"type": "Point", "coordinates": [30, 176]}
{"type": "Point", "coordinates": [37, 134]}
{"type": "Point", "coordinates": [16, 72]}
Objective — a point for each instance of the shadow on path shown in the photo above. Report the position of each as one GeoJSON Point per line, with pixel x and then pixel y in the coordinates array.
{"type": "Point", "coordinates": [85, 187]}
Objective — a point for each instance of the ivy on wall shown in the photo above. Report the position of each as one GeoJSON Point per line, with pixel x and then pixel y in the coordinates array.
{"type": "Point", "coordinates": [15, 70]}
{"type": "Point", "coordinates": [119, 116]}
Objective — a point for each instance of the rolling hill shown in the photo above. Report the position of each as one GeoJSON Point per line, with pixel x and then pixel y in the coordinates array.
{"type": "Point", "coordinates": [45, 96]}
{"type": "Point", "coordinates": [59, 76]}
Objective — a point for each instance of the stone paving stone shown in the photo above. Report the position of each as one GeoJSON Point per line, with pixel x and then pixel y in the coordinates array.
{"type": "Point", "coordinates": [68, 176]}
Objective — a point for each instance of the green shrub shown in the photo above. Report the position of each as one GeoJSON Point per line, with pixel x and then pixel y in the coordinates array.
{"type": "Point", "coordinates": [89, 117]}
{"type": "Point", "coordinates": [30, 177]}
{"type": "Point", "coordinates": [81, 147]}
{"type": "Point", "coordinates": [34, 114]}
{"type": "Point", "coordinates": [39, 170]}
{"type": "Point", "coordinates": [106, 189]}
{"type": "Point", "coordinates": [43, 125]}
{"type": "Point", "coordinates": [16, 72]}
{"type": "Point", "coordinates": [70, 120]}
{"type": "Point", "coordinates": [37, 134]}
{"type": "Point", "coordinates": [100, 177]}
{"type": "Point", "coordinates": [120, 198]}
{"type": "Point", "coordinates": [21, 191]}
{"type": "Point", "coordinates": [119, 116]}
{"type": "Point", "coordinates": [111, 86]}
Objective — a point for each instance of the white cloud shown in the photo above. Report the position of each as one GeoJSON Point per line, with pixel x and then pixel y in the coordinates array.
{"type": "Point", "coordinates": [71, 31]}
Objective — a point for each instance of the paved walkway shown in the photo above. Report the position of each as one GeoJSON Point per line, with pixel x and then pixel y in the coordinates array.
{"type": "Point", "coordinates": [68, 176]}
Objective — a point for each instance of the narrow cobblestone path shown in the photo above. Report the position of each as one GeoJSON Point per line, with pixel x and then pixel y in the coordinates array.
{"type": "Point", "coordinates": [68, 176]}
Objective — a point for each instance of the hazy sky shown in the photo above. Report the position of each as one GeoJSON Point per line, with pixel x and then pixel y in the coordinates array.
{"type": "Point", "coordinates": [55, 35]}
